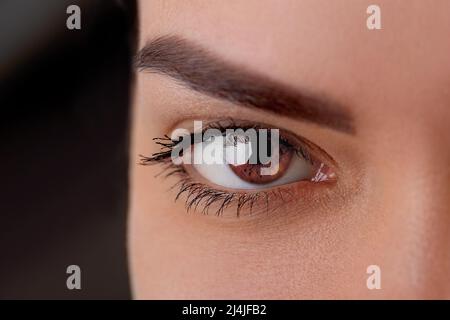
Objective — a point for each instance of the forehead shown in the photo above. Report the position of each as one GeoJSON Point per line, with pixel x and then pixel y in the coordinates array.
{"type": "Point", "coordinates": [323, 45]}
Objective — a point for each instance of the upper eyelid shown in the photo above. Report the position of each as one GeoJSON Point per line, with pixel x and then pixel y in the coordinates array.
{"type": "Point", "coordinates": [234, 125]}
{"type": "Point", "coordinates": [297, 148]}
{"type": "Point", "coordinates": [303, 140]}
{"type": "Point", "coordinates": [317, 152]}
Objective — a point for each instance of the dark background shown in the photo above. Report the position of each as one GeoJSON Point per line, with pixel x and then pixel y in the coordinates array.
{"type": "Point", "coordinates": [64, 103]}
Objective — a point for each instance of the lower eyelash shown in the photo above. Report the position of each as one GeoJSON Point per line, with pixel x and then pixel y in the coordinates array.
{"type": "Point", "coordinates": [199, 194]}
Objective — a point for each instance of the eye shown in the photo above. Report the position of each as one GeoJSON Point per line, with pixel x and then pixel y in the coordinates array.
{"type": "Point", "coordinates": [295, 163]}
{"type": "Point", "coordinates": [242, 177]}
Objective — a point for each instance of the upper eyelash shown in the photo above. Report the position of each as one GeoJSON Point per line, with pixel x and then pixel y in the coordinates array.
{"type": "Point", "coordinates": [198, 193]}
{"type": "Point", "coordinates": [167, 144]}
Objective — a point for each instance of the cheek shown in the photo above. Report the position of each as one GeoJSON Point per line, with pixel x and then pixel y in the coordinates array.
{"type": "Point", "coordinates": [174, 255]}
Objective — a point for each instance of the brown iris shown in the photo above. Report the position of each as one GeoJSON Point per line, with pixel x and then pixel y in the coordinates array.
{"type": "Point", "coordinates": [252, 172]}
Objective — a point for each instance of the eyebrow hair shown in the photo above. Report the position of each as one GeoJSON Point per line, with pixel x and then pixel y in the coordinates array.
{"type": "Point", "coordinates": [200, 70]}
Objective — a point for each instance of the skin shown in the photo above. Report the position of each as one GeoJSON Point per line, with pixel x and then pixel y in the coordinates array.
{"type": "Point", "coordinates": [390, 206]}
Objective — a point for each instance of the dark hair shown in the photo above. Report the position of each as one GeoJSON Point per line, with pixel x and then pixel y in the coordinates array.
{"type": "Point", "coordinates": [64, 97]}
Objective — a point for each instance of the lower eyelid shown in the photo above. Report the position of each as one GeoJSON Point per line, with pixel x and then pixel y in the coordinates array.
{"type": "Point", "coordinates": [301, 195]}
{"type": "Point", "coordinates": [201, 196]}
{"type": "Point", "coordinates": [318, 171]}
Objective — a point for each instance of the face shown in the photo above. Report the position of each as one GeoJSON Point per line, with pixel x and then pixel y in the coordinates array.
{"type": "Point", "coordinates": [364, 147]}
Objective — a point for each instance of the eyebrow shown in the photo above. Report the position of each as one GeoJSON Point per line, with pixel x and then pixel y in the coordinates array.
{"type": "Point", "coordinates": [202, 71]}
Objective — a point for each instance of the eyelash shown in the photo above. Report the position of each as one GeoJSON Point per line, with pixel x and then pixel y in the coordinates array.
{"type": "Point", "coordinates": [199, 194]}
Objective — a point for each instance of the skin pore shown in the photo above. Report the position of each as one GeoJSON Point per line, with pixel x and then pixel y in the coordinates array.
{"type": "Point", "coordinates": [389, 205]}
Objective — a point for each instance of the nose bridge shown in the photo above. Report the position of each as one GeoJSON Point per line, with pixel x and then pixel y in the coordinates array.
{"type": "Point", "coordinates": [421, 205]}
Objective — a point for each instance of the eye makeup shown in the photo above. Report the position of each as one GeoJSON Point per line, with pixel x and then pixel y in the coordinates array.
{"type": "Point", "coordinates": [303, 166]}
